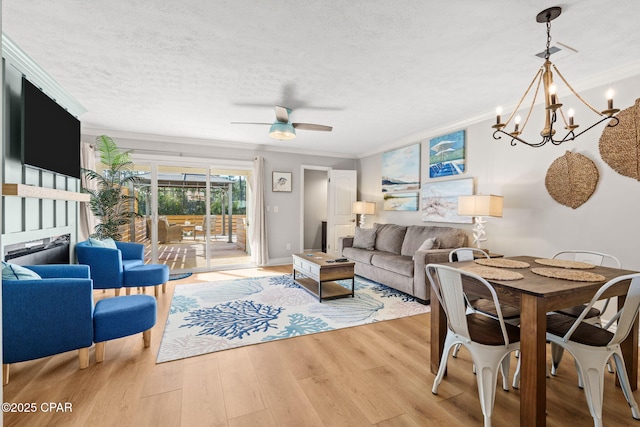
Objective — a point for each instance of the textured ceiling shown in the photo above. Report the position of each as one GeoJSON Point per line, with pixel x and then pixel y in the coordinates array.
{"type": "Point", "coordinates": [381, 72]}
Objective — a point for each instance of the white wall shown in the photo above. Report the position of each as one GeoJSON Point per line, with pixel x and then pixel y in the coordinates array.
{"type": "Point", "coordinates": [533, 223]}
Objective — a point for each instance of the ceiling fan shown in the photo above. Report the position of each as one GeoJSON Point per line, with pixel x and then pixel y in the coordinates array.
{"type": "Point", "coordinates": [282, 128]}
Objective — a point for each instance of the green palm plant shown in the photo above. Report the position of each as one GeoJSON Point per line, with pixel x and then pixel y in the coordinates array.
{"type": "Point", "coordinates": [111, 202]}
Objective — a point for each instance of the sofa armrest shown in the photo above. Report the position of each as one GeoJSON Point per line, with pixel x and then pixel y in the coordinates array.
{"type": "Point", "coordinates": [52, 271]}
{"type": "Point", "coordinates": [421, 286]}
{"type": "Point", "coordinates": [131, 250]}
{"type": "Point", "coordinates": [344, 242]}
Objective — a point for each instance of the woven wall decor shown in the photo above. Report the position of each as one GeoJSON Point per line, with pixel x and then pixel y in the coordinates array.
{"type": "Point", "coordinates": [572, 179]}
{"type": "Point", "coordinates": [619, 145]}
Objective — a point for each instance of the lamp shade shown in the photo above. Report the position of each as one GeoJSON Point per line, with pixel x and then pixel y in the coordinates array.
{"type": "Point", "coordinates": [281, 130]}
{"type": "Point", "coordinates": [363, 208]}
{"type": "Point", "coordinates": [480, 205]}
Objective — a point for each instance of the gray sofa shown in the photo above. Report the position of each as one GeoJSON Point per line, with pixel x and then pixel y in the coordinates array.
{"type": "Point", "coordinates": [396, 255]}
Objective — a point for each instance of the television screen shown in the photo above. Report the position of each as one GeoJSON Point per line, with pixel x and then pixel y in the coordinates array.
{"type": "Point", "coordinates": [50, 134]}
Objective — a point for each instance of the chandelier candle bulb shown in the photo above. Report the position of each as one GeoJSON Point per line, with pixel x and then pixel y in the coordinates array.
{"type": "Point", "coordinates": [517, 120]}
{"type": "Point", "coordinates": [610, 99]}
{"type": "Point", "coordinates": [570, 113]}
{"type": "Point", "coordinates": [498, 113]}
{"type": "Point", "coordinates": [552, 92]}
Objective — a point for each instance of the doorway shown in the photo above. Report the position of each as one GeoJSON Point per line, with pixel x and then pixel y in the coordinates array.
{"type": "Point", "coordinates": [325, 207]}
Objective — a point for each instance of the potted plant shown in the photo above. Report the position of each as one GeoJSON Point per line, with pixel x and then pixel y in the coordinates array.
{"type": "Point", "coordinates": [113, 200]}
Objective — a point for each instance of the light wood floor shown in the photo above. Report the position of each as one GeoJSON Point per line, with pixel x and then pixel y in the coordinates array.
{"type": "Point", "coordinates": [376, 374]}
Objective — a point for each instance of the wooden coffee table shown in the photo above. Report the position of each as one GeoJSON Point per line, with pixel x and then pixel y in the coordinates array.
{"type": "Point", "coordinates": [319, 272]}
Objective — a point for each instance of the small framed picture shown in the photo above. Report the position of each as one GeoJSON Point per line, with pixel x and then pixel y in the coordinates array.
{"type": "Point", "coordinates": [281, 181]}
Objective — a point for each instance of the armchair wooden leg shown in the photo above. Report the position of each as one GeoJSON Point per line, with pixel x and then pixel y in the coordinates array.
{"type": "Point", "coordinates": [5, 373]}
{"type": "Point", "coordinates": [100, 351]}
{"type": "Point", "coordinates": [146, 336]}
{"type": "Point", "coordinates": [83, 356]}
{"type": "Point", "coordinates": [128, 291]}
{"type": "Point", "coordinates": [164, 288]}
{"type": "Point", "coordinates": [117, 292]}
{"type": "Point", "coordinates": [156, 290]}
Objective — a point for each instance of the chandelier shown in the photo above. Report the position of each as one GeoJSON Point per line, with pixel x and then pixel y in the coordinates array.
{"type": "Point", "coordinates": [544, 78]}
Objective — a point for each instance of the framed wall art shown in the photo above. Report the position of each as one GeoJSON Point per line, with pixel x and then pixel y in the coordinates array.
{"type": "Point", "coordinates": [401, 202]}
{"type": "Point", "coordinates": [281, 182]}
{"type": "Point", "coordinates": [440, 200]}
{"type": "Point", "coordinates": [401, 169]}
{"type": "Point", "coordinates": [447, 155]}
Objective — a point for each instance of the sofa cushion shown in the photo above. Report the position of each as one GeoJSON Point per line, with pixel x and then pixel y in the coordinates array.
{"type": "Point", "coordinates": [364, 238]}
{"type": "Point", "coordinates": [18, 272]}
{"type": "Point", "coordinates": [430, 243]}
{"type": "Point", "coordinates": [389, 238]}
{"type": "Point", "coordinates": [448, 237]}
{"type": "Point", "coordinates": [358, 255]}
{"type": "Point", "coordinates": [398, 264]}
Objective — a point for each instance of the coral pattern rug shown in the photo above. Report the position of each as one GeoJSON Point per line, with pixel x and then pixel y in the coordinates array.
{"type": "Point", "coordinates": [209, 317]}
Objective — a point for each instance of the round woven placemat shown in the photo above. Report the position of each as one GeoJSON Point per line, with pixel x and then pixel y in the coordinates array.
{"type": "Point", "coordinates": [502, 263]}
{"type": "Point", "coordinates": [564, 263]}
{"type": "Point", "coordinates": [491, 273]}
{"type": "Point", "coordinates": [571, 179]}
{"type": "Point", "coordinates": [619, 145]}
{"type": "Point", "coordinates": [563, 273]}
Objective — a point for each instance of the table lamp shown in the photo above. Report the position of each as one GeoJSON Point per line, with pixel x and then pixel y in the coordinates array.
{"type": "Point", "coordinates": [478, 206]}
{"type": "Point", "coordinates": [363, 208]}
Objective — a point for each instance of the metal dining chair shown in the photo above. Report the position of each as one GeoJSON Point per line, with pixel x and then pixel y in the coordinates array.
{"type": "Point", "coordinates": [489, 340]}
{"type": "Point", "coordinates": [592, 346]}
{"type": "Point", "coordinates": [482, 305]}
{"type": "Point", "coordinates": [594, 315]}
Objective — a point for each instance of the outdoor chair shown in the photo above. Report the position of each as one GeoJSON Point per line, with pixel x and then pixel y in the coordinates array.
{"type": "Point", "coordinates": [592, 346]}
{"type": "Point", "coordinates": [168, 232]}
{"type": "Point", "coordinates": [202, 228]}
{"type": "Point", "coordinates": [489, 340]}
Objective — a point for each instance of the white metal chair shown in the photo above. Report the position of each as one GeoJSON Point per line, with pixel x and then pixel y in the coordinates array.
{"type": "Point", "coordinates": [592, 346]}
{"type": "Point", "coordinates": [482, 305]}
{"type": "Point", "coordinates": [488, 340]}
{"type": "Point", "coordinates": [594, 315]}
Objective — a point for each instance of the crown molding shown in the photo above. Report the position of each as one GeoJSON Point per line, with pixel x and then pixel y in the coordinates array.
{"type": "Point", "coordinates": [36, 75]}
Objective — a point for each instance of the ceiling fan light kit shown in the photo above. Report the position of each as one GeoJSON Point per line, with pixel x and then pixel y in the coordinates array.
{"type": "Point", "coordinates": [283, 129]}
{"type": "Point", "coordinates": [544, 78]}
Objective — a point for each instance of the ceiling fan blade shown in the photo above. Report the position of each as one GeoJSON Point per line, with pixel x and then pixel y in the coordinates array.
{"type": "Point", "coordinates": [250, 123]}
{"type": "Point", "coordinates": [282, 114]}
{"type": "Point", "coordinates": [311, 126]}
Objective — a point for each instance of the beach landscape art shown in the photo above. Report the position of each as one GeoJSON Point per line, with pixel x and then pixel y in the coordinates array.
{"type": "Point", "coordinates": [401, 169]}
{"type": "Point", "coordinates": [440, 200]}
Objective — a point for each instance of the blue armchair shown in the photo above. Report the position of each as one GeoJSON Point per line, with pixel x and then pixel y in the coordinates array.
{"type": "Point", "coordinates": [121, 267]}
{"type": "Point", "coordinates": [47, 316]}
{"type": "Point", "coordinates": [108, 265]}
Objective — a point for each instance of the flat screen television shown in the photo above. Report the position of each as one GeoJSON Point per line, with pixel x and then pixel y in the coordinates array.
{"type": "Point", "coordinates": [50, 134]}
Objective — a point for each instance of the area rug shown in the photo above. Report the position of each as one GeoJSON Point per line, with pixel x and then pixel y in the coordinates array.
{"type": "Point", "coordinates": [214, 316]}
{"type": "Point", "coordinates": [178, 276]}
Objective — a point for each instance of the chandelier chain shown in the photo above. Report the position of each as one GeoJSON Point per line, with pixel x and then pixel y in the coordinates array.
{"type": "Point", "coordinates": [547, 53]}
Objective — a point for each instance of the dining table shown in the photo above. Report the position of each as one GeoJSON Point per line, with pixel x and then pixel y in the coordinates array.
{"type": "Point", "coordinates": [536, 295]}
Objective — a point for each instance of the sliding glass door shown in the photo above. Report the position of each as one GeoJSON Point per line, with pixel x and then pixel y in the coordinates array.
{"type": "Point", "coordinates": [192, 218]}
